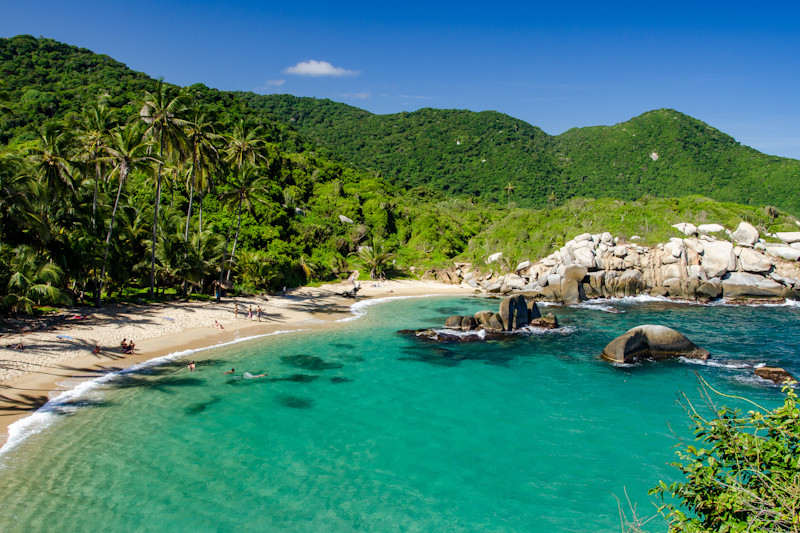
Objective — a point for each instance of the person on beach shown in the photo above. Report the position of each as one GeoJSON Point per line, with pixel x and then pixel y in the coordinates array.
{"type": "Point", "coordinates": [258, 313]}
{"type": "Point", "coordinates": [218, 325]}
{"type": "Point", "coordinates": [231, 371]}
{"type": "Point", "coordinates": [250, 313]}
{"type": "Point", "coordinates": [131, 347]}
{"type": "Point", "coordinates": [17, 346]}
{"type": "Point", "coordinates": [96, 349]}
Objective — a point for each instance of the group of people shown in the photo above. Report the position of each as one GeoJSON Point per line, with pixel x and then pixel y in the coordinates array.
{"type": "Point", "coordinates": [250, 313]}
{"type": "Point", "coordinates": [127, 347]}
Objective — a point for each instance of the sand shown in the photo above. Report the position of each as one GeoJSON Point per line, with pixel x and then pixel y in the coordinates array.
{"type": "Point", "coordinates": [58, 359]}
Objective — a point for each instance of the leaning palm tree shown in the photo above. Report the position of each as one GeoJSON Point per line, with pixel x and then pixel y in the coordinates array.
{"type": "Point", "coordinates": [164, 116]}
{"type": "Point", "coordinates": [127, 150]}
{"type": "Point", "coordinates": [245, 185]}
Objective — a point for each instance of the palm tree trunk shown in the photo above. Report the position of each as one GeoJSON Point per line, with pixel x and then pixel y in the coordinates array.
{"type": "Point", "coordinates": [189, 211]}
{"type": "Point", "coordinates": [200, 213]}
{"type": "Point", "coordinates": [151, 293]}
{"type": "Point", "coordinates": [123, 175]}
{"type": "Point", "coordinates": [94, 200]}
{"type": "Point", "coordinates": [222, 268]}
{"type": "Point", "coordinates": [238, 225]}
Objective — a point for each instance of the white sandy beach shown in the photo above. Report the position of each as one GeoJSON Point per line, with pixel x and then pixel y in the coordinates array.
{"type": "Point", "coordinates": [55, 359]}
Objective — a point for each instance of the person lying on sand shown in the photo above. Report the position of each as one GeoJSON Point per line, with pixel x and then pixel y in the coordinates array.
{"type": "Point", "coordinates": [218, 325]}
{"type": "Point", "coordinates": [17, 346]}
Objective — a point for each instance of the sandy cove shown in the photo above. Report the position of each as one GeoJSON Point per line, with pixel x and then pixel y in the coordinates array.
{"type": "Point", "coordinates": [58, 359]}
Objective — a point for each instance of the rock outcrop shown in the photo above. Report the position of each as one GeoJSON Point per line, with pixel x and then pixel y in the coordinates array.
{"type": "Point", "coordinates": [651, 342]}
{"type": "Point", "coordinates": [703, 265]}
{"type": "Point", "coordinates": [776, 374]}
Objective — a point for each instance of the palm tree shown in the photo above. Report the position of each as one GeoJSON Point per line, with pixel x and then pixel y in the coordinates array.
{"type": "Point", "coordinates": [126, 150]}
{"type": "Point", "coordinates": [32, 281]}
{"type": "Point", "coordinates": [375, 257]}
{"type": "Point", "coordinates": [246, 183]}
{"type": "Point", "coordinates": [163, 115]}
{"type": "Point", "coordinates": [204, 156]}
{"type": "Point", "coordinates": [552, 199]}
{"type": "Point", "coordinates": [245, 146]}
{"type": "Point", "coordinates": [509, 189]}
{"type": "Point", "coordinates": [51, 159]}
{"type": "Point", "coordinates": [16, 189]}
{"type": "Point", "coordinates": [93, 137]}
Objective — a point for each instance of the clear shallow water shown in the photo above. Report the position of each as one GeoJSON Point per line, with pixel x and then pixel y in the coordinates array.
{"type": "Point", "coordinates": [393, 434]}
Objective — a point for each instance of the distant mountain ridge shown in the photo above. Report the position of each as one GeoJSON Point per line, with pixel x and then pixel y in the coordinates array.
{"type": "Point", "coordinates": [476, 154]}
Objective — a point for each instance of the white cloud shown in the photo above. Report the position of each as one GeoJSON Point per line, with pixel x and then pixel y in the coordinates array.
{"type": "Point", "coordinates": [359, 96]}
{"type": "Point", "coordinates": [315, 69]}
{"type": "Point", "coordinates": [415, 97]}
{"type": "Point", "coordinates": [276, 83]}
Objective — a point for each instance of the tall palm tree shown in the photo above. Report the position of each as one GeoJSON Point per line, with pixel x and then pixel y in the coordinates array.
{"type": "Point", "coordinates": [509, 189]}
{"type": "Point", "coordinates": [375, 257]}
{"type": "Point", "coordinates": [96, 125]}
{"type": "Point", "coordinates": [164, 116]}
{"type": "Point", "coordinates": [205, 157]}
{"type": "Point", "coordinates": [126, 150]}
{"type": "Point", "coordinates": [245, 145]}
{"type": "Point", "coordinates": [245, 185]}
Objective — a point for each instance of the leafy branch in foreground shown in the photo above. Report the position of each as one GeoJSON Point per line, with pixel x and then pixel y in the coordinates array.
{"type": "Point", "coordinates": [745, 476]}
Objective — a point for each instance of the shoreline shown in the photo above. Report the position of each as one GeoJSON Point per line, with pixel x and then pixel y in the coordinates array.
{"type": "Point", "coordinates": [58, 360]}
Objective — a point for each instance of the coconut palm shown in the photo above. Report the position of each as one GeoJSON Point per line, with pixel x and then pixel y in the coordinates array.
{"type": "Point", "coordinates": [204, 157]}
{"type": "Point", "coordinates": [51, 159]}
{"type": "Point", "coordinates": [245, 185]}
{"type": "Point", "coordinates": [245, 145]}
{"type": "Point", "coordinates": [96, 125]}
{"type": "Point", "coordinates": [32, 281]}
{"type": "Point", "coordinates": [509, 189]}
{"type": "Point", "coordinates": [164, 116]}
{"type": "Point", "coordinates": [127, 150]}
{"type": "Point", "coordinates": [375, 257]}
{"type": "Point", "coordinates": [17, 188]}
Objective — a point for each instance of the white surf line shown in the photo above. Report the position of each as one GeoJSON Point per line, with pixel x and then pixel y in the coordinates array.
{"type": "Point", "coordinates": [51, 411]}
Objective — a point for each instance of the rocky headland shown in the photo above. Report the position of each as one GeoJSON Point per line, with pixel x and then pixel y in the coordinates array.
{"type": "Point", "coordinates": [708, 262]}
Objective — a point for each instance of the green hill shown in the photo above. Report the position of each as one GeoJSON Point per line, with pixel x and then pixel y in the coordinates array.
{"type": "Point", "coordinates": [462, 153]}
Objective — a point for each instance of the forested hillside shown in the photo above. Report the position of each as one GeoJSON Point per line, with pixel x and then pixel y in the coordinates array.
{"type": "Point", "coordinates": [113, 185]}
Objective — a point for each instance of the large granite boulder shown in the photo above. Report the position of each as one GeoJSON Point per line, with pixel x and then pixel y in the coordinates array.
{"type": "Point", "coordinates": [514, 312]}
{"type": "Point", "coordinates": [453, 321]}
{"type": "Point", "coordinates": [710, 289]}
{"type": "Point", "coordinates": [753, 261]}
{"type": "Point", "coordinates": [783, 251]}
{"type": "Point", "coordinates": [706, 229]}
{"type": "Point", "coordinates": [744, 285]}
{"type": "Point", "coordinates": [687, 228]}
{"type": "Point", "coordinates": [776, 374]}
{"type": "Point", "coordinates": [745, 234]}
{"type": "Point", "coordinates": [651, 342]}
{"type": "Point", "coordinates": [718, 258]}
{"type": "Point", "coordinates": [789, 236]}
{"type": "Point", "coordinates": [630, 283]}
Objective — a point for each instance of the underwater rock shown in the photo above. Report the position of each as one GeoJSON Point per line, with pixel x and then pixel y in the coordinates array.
{"type": "Point", "coordinates": [308, 362]}
{"type": "Point", "coordinates": [651, 342]}
{"type": "Point", "coordinates": [548, 321]}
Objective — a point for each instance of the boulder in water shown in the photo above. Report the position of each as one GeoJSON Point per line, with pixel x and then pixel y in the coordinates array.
{"type": "Point", "coordinates": [776, 374]}
{"type": "Point", "coordinates": [651, 342]}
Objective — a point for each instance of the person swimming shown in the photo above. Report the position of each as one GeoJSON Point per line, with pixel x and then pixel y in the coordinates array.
{"type": "Point", "coordinates": [231, 371]}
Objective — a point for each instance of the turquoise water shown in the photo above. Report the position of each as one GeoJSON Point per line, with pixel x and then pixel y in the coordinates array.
{"type": "Point", "coordinates": [387, 433]}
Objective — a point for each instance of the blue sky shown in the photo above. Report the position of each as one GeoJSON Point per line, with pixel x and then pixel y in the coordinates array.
{"type": "Point", "coordinates": [734, 65]}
